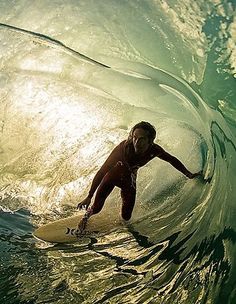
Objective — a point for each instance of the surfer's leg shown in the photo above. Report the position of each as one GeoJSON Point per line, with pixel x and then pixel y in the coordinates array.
{"type": "Point", "coordinates": [128, 195]}
{"type": "Point", "coordinates": [102, 193]}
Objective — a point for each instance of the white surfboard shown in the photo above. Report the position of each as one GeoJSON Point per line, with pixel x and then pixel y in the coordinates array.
{"type": "Point", "coordinates": [66, 230]}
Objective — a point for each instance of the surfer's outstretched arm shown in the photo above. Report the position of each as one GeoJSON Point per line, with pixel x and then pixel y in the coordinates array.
{"type": "Point", "coordinates": [109, 163]}
{"type": "Point", "coordinates": [95, 183]}
{"type": "Point", "coordinates": [176, 163]}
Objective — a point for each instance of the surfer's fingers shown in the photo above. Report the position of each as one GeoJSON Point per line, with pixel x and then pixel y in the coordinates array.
{"type": "Point", "coordinates": [80, 205]}
{"type": "Point", "coordinates": [84, 204]}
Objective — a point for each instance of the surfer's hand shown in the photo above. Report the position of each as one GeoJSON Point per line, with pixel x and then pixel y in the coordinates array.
{"type": "Point", "coordinates": [192, 175]}
{"type": "Point", "coordinates": [84, 204]}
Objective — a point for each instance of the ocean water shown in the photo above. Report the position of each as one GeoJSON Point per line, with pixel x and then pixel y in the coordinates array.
{"type": "Point", "coordinates": [75, 76]}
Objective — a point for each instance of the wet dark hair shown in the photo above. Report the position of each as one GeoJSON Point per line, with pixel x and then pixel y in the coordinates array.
{"type": "Point", "coordinates": [146, 126]}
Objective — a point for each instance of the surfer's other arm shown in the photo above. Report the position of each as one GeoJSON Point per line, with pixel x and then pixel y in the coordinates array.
{"type": "Point", "coordinates": [176, 163]}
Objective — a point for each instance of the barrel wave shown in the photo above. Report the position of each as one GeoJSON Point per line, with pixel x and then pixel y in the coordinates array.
{"type": "Point", "coordinates": [74, 78]}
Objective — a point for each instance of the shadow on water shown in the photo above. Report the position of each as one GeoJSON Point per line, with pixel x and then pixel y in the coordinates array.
{"type": "Point", "coordinates": [25, 271]}
{"type": "Point", "coordinates": [209, 254]}
{"type": "Point", "coordinates": [16, 240]}
{"type": "Point", "coordinates": [16, 250]}
{"type": "Point", "coordinates": [15, 228]}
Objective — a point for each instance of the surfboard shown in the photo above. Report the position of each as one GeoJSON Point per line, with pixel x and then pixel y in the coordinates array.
{"type": "Point", "coordinates": [66, 230]}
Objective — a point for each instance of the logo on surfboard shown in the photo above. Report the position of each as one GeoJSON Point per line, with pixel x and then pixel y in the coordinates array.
{"type": "Point", "coordinates": [77, 233]}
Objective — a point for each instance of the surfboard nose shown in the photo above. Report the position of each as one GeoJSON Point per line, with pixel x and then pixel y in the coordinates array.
{"type": "Point", "coordinates": [56, 233]}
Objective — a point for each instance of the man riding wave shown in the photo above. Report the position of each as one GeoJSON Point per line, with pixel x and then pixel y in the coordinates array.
{"type": "Point", "coordinates": [120, 170]}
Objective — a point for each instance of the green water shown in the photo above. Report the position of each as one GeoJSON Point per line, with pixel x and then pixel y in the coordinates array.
{"type": "Point", "coordinates": [75, 77]}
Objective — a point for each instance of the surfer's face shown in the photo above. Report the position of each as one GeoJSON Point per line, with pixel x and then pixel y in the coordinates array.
{"type": "Point", "coordinates": [141, 141]}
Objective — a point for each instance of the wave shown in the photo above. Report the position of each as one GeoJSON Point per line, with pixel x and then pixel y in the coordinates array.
{"type": "Point", "coordinates": [61, 114]}
{"type": "Point", "coordinates": [61, 108]}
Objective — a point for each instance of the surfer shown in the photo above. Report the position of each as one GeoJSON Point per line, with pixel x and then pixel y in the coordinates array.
{"type": "Point", "coordinates": [120, 169]}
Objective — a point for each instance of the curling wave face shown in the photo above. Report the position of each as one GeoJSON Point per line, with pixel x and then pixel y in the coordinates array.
{"type": "Point", "coordinates": [62, 112]}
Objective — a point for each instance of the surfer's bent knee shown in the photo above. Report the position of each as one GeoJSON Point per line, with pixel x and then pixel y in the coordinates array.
{"type": "Point", "coordinates": [126, 216]}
